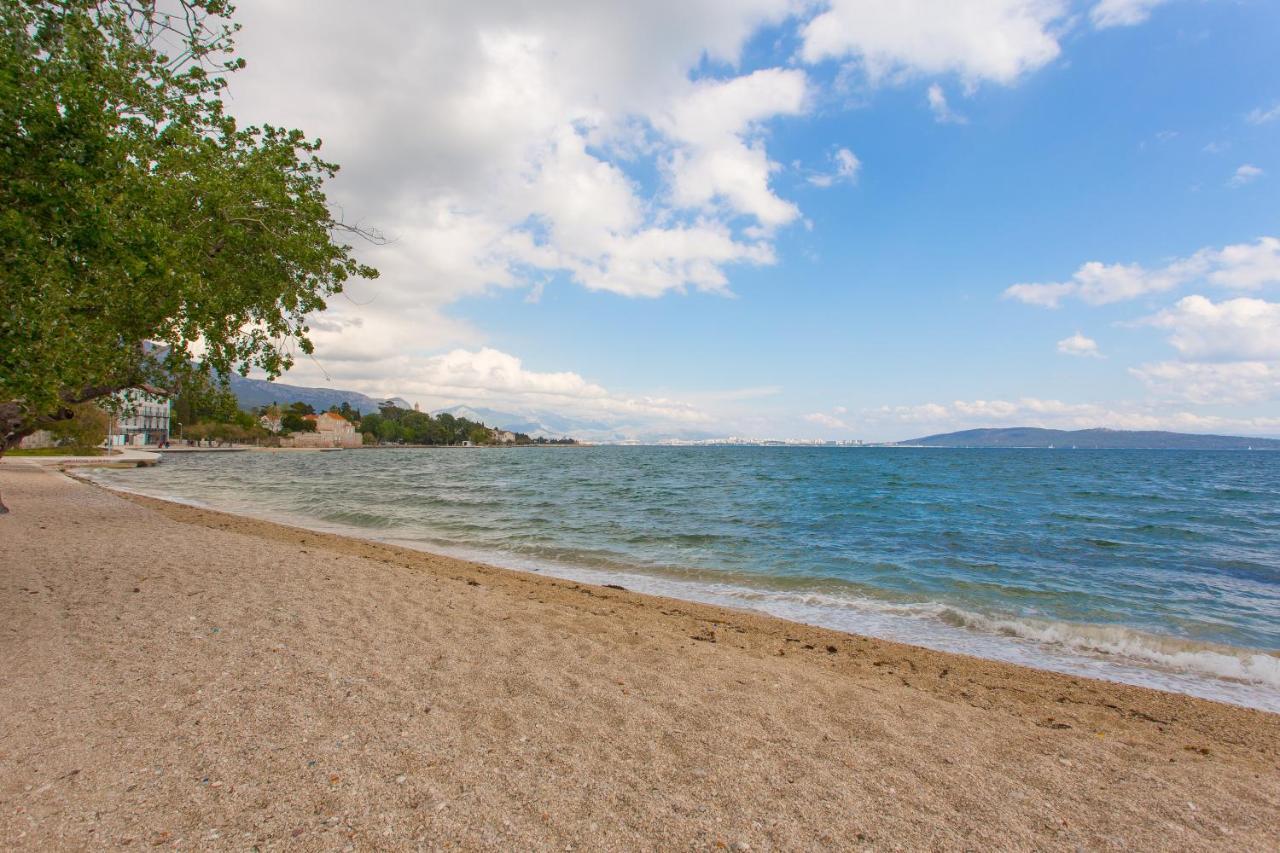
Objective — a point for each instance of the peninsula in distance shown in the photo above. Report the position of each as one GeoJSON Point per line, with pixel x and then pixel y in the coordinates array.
{"type": "Point", "coordinates": [1091, 439]}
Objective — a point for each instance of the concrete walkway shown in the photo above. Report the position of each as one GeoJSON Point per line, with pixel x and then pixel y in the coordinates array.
{"type": "Point", "coordinates": [125, 456]}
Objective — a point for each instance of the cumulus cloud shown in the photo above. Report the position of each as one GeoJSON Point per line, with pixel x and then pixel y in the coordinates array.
{"type": "Point", "coordinates": [942, 112]}
{"type": "Point", "coordinates": [845, 167]}
{"type": "Point", "coordinates": [1258, 115]}
{"type": "Point", "coordinates": [716, 157]}
{"type": "Point", "coordinates": [1237, 329]}
{"type": "Point", "coordinates": [979, 40]}
{"type": "Point", "coordinates": [1079, 345]}
{"type": "Point", "coordinates": [1122, 13]}
{"type": "Point", "coordinates": [1240, 266]}
{"type": "Point", "coordinates": [1246, 266]}
{"type": "Point", "coordinates": [1246, 174]}
{"type": "Point", "coordinates": [1210, 383]}
{"type": "Point", "coordinates": [1098, 284]}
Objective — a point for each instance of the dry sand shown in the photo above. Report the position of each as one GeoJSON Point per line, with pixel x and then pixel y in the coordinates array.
{"type": "Point", "coordinates": [182, 678]}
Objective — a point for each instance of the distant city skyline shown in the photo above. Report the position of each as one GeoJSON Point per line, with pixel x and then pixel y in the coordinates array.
{"type": "Point", "coordinates": [841, 220]}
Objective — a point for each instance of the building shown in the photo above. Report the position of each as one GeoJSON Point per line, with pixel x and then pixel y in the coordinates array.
{"type": "Point", "coordinates": [332, 430]}
{"type": "Point", "coordinates": [333, 424]}
{"type": "Point", "coordinates": [140, 418]}
{"type": "Point", "coordinates": [502, 436]}
{"type": "Point", "coordinates": [271, 420]}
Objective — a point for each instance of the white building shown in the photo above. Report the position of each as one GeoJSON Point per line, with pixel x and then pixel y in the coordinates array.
{"type": "Point", "coordinates": [142, 418]}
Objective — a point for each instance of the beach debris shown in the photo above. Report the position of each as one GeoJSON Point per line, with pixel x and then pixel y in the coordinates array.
{"type": "Point", "coordinates": [707, 636]}
{"type": "Point", "coordinates": [615, 586]}
{"type": "Point", "coordinates": [831, 650]}
{"type": "Point", "coordinates": [472, 582]}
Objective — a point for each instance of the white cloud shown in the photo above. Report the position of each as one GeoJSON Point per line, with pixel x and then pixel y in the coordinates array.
{"type": "Point", "coordinates": [1122, 13]}
{"type": "Point", "coordinates": [1240, 329]}
{"type": "Point", "coordinates": [1247, 266]}
{"type": "Point", "coordinates": [1097, 284]}
{"type": "Point", "coordinates": [980, 40]}
{"type": "Point", "coordinates": [1079, 345]}
{"type": "Point", "coordinates": [824, 420]}
{"type": "Point", "coordinates": [1260, 116]}
{"type": "Point", "coordinates": [1213, 383]}
{"type": "Point", "coordinates": [1242, 266]}
{"type": "Point", "coordinates": [716, 156]}
{"type": "Point", "coordinates": [1247, 173]}
{"type": "Point", "coordinates": [845, 168]}
{"type": "Point", "coordinates": [942, 112]}
{"type": "Point", "coordinates": [1230, 351]}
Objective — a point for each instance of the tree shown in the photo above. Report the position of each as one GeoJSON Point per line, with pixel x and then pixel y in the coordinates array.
{"type": "Point", "coordinates": [133, 209]}
{"type": "Point", "coordinates": [87, 427]}
{"type": "Point", "coordinates": [196, 398]}
{"type": "Point", "coordinates": [294, 422]}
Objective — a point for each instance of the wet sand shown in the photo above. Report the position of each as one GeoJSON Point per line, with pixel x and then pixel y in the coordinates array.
{"type": "Point", "coordinates": [176, 677]}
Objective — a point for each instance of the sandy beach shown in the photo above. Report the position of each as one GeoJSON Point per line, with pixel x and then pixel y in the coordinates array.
{"type": "Point", "coordinates": [176, 677]}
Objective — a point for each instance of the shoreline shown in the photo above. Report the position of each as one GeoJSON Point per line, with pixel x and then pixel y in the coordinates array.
{"type": "Point", "coordinates": [715, 613]}
{"type": "Point", "coordinates": [611, 717]}
{"type": "Point", "coordinates": [1077, 650]}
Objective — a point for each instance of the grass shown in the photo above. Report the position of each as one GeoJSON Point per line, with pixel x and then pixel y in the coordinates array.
{"type": "Point", "coordinates": [57, 451]}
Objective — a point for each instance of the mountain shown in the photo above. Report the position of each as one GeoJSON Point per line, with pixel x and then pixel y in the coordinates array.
{"type": "Point", "coordinates": [544, 424]}
{"type": "Point", "coordinates": [1092, 439]}
{"type": "Point", "coordinates": [534, 424]}
{"type": "Point", "coordinates": [260, 392]}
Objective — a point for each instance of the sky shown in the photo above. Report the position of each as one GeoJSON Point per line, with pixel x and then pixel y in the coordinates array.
{"type": "Point", "coordinates": [855, 219]}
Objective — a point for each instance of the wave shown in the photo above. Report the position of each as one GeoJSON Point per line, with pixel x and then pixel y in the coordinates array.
{"type": "Point", "coordinates": [1210, 659]}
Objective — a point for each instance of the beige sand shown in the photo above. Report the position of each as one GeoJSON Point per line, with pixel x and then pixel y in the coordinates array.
{"type": "Point", "coordinates": [181, 678]}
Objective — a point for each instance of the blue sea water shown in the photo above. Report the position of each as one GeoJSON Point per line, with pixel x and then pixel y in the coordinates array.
{"type": "Point", "coordinates": [1159, 568]}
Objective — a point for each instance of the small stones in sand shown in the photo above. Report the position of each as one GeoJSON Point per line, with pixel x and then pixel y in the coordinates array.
{"type": "Point", "coordinates": [831, 650]}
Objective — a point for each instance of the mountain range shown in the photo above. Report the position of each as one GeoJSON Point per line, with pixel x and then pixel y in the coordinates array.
{"type": "Point", "coordinates": [252, 393]}
{"type": "Point", "coordinates": [1092, 439]}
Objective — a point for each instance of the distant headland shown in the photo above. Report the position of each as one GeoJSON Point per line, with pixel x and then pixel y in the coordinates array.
{"type": "Point", "coordinates": [1091, 439]}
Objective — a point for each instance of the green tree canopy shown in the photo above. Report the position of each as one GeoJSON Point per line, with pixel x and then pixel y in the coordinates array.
{"type": "Point", "coordinates": [134, 210]}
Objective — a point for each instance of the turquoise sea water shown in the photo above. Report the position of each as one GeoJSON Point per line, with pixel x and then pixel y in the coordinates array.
{"type": "Point", "coordinates": [1151, 567]}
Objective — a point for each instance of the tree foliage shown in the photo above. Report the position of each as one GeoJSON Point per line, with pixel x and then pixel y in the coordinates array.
{"type": "Point", "coordinates": [87, 427]}
{"type": "Point", "coordinates": [133, 209]}
{"type": "Point", "coordinates": [393, 425]}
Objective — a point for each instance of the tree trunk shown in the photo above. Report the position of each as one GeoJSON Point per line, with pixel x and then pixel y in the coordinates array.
{"type": "Point", "coordinates": [14, 426]}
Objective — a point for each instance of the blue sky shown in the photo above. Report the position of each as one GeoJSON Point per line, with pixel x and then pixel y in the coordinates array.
{"type": "Point", "coordinates": [760, 219]}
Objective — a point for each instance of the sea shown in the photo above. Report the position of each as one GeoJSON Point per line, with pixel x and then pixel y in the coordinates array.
{"type": "Point", "coordinates": [1158, 568]}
